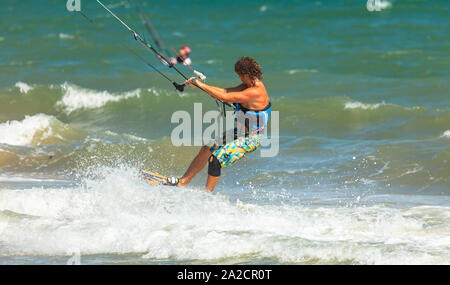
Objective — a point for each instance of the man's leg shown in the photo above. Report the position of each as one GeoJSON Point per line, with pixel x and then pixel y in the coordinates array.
{"type": "Point", "coordinates": [196, 165]}
{"type": "Point", "coordinates": [211, 182]}
{"type": "Point", "coordinates": [214, 170]}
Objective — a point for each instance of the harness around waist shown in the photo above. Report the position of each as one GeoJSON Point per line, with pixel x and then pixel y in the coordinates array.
{"type": "Point", "coordinates": [256, 120]}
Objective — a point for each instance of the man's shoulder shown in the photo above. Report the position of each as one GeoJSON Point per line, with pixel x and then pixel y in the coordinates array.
{"type": "Point", "coordinates": [257, 89]}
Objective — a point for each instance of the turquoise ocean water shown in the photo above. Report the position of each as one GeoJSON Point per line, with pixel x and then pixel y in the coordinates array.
{"type": "Point", "coordinates": [362, 175]}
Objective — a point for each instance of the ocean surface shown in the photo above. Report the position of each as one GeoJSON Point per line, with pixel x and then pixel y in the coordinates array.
{"type": "Point", "coordinates": [362, 175]}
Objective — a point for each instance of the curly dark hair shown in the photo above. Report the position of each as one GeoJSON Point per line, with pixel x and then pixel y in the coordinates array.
{"type": "Point", "coordinates": [249, 66]}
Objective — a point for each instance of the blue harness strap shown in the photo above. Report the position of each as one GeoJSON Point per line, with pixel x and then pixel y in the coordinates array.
{"type": "Point", "coordinates": [262, 116]}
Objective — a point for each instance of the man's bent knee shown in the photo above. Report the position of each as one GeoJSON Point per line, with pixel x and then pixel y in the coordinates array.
{"type": "Point", "coordinates": [214, 166]}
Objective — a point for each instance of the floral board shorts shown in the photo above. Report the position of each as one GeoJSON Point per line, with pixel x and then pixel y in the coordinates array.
{"type": "Point", "coordinates": [237, 146]}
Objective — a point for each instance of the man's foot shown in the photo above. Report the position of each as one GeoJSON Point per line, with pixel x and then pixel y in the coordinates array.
{"type": "Point", "coordinates": [171, 181]}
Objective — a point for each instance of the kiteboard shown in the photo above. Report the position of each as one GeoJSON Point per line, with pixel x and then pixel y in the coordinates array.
{"type": "Point", "coordinates": [156, 179]}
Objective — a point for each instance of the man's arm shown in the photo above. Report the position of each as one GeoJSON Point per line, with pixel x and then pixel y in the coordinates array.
{"type": "Point", "coordinates": [226, 90]}
{"type": "Point", "coordinates": [238, 94]}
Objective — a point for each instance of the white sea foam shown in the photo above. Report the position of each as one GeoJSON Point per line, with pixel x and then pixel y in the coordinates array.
{"type": "Point", "coordinates": [178, 34]}
{"type": "Point", "coordinates": [377, 5]}
{"type": "Point", "coordinates": [23, 87]}
{"type": "Point", "coordinates": [28, 179]}
{"type": "Point", "coordinates": [76, 98]}
{"type": "Point", "coordinates": [119, 214]}
{"type": "Point", "coordinates": [294, 71]}
{"type": "Point", "coordinates": [367, 106]}
{"type": "Point", "coordinates": [24, 132]}
{"type": "Point", "coordinates": [359, 105]}
{"type": "Point", "coordinates": [128, 136]}
{"type": "Point", "coordinates": [402, 52]}
{"type": "Point", "coordinates": [63, 36]}
{"type": "Point", "coordinates": [135, 138]}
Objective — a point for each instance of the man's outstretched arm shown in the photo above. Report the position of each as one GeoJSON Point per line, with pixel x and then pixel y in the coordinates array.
{"type": "Point", "coordinates": [236, 94]}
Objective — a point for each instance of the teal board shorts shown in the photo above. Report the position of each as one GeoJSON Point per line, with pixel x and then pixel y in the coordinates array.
{"type": "Point", "coordinates": [231, 147]}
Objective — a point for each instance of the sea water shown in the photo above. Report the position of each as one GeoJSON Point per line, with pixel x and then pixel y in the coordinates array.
{"type": "Point", "coordinates": [362, 175]}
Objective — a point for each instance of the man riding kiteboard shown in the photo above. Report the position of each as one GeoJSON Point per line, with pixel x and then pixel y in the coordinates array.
{"type": "Point", "coordinates": [252, 112]}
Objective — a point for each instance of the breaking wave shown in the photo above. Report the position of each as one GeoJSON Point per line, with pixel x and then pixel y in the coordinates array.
{"type": "Point", "coordinates": [23, 87]}
{"type": "Point", "coordinates": [36, 130]}
{"type": "Point", "coordinates": [76, 98]}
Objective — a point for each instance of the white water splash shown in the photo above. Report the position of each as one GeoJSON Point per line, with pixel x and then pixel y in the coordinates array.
{"type": "Point", "coordinates": [119, 214]}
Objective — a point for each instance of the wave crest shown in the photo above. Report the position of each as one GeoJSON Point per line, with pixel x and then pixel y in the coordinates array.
{"type": "Point", "coordinates": [76, 98]}
{"type": "Point", "coordinates": [40, 129]}
{"type": "Point", "coordinates": [23, 87]}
